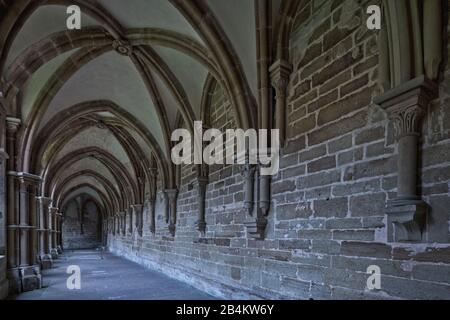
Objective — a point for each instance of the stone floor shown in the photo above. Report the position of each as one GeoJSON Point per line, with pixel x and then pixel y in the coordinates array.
{"type": "Point", "coordinates": [107, 279]}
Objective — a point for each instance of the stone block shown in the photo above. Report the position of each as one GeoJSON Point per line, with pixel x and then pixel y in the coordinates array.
{"type": "Point", "coordinates": [370, 135]}
{"type": "Point", "coordinates": [342, 107]}
{"type": "Point", "coordinates": [296, 288]}
{"type": "Point", "coordinates": [294, 244]}
{"type": "Point", "coordinates": [293, 211]}
{"type": "Point", "coordinates": [354, 85]}
{"type": "Point", "coordinates": [365, 249]}
{"type": "Point", "coordinates": [432, 272]}
{"type": "Point", "coordinates": [357, 235]}
{"type": "Point", "coordinates": [318, 179]}
{"type": "Point", "coordinates": [336, 129]}
{"type": "Point", "coordinates": [344, 223]}
{"type": "Point", "coordinates": [335, 82]}
{"type": "Point", "coordinates": [336, 207]}
{"type": "Point", "coordinates": [349, 188]}
{"type": "Point", "coordinates": [312, 153]}
{"type": "Point", "coordinates": [322, 164]}
{"type": "Point", "coordinates": [342, 143]}
{"type": "Point", "coordinates": [368, 205]}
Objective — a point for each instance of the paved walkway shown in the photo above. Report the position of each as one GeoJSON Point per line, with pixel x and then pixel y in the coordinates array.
{"type": "Point", "coordinates": [109, 278]}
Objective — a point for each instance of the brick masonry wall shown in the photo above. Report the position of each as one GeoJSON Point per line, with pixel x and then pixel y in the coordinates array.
{"type": "Point", "coordinates": [327, 222]}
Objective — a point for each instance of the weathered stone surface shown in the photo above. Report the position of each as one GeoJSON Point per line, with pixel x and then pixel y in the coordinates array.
{"type": "Point", "coordinates": [337, 207]}
{"type": "Point", "coordinates": [368, 205]}
{"type": "Point", "coordinates": [322, 164]}
{"type": "Point", "coordinates": [293, 211]}
{"type": "Point", "coordinates": [337, 129]}
{"type": "Point", "coordinates": [365, 249]}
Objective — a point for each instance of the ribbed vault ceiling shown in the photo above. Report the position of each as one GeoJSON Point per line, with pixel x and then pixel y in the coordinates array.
{"type": "Point", "coordinates": [79, 95]}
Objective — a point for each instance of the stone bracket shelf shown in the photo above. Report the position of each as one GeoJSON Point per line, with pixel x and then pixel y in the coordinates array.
{"type": "Point", "coordinates": [406, 222]}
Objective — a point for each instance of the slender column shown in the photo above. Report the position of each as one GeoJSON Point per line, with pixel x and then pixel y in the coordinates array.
{"type": "Point", "coordinates": [59, 232]}
{"type": "Point", "coordinates": [26, 276]}
{"type": "Point", "coordinates": [280, 73]}
{"type": "Point", "coordinates": [248, 174]}
{"type": "Point", "coordinates": [202, 183]}
{"type": "Point", "coordinates": [123, 222]}
{"type": "Point", "coordinates": [12, 125]}
{"type": "Point", "coordinates": [151, 201]}
{"type": "Point", "coordinates": [33, 221]}
{"type": "Point", "coordinates": [137, 213]}
{"type": "Point", "coordinates": [43, 231]}
{"type": "Point", "coordinates": [172, 205]}
{"type": "Point", "coordinates": [406, 105]}
{"type": "Point", "coordinates": [4, 284]}
{"type": "Point", "coordinates": [130, 220]}
{"type": "Point", "coordinates": [151, 211]}
{"type": "Point", "coordinates": [53, 246]}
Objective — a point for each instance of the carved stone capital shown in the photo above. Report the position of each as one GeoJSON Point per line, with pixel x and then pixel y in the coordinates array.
{"type": "Point", "coordinates": [407, 104]}
{"type": "Point", "coordinates": [171, 194]}
{"type": "Point", "coordinates": [280, 73]}
{"type": "Point", "coordinates": [12, 124]}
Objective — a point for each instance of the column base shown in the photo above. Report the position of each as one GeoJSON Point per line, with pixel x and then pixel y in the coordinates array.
{"type": "Point", "coordinates": [406, 219]}
{"type": "Point", "coordinates": [257, 229]}
{"type": "Point", "coordinates": [46, 261]}
{"type": "Point", "coordinates": [4, 284]}
{"type": "Point", "coordinates": [22, 279]}
{"type": "Point", "coordinates": [54, 253]}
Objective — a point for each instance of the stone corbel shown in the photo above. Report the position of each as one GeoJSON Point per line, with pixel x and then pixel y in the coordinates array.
{"type": "Point", "coordinates": [406, 105]}
{"type": "Point", "coordinates": [201, 184]}
{"type": "Point", "coordinates": [256, 229]}
{"type": "Point", "coordinates": [280, 73]}
{"type": "Point", "coordinates": [172, 206]}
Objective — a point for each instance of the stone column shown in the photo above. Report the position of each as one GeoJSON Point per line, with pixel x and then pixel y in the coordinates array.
{"type": "Point", "coordinates": [53, 232]}
{"type": "Point", "coordinates": [59, 232]}
{"type": "Point", "coordinates": [3, 158]}
{"type": "Point", "coordinates": [33, 220]}
{"type": "Point", "coordinates": [137, 213]}
{"type": "Point", "coordinates": [130, 220]}
{"type": "Point", "coordinates": [172, 206]}
{"type": "Point", "coordinates": [12, 125]}
{"type": "Point", "coordinates": [280, 73]}
{"type": "Point", "coordinates": [43, 232]}
{"type": "Point", "coordinates": [151, 212]}
{"type": "Point", "coordinates": [4, 284]}
{"type": "Point", "coordinates": [151, 201]}
{"type": "Point", "coordinates": [25, 276]}
{"type": "Point", "coordinates": [406, 105]}
{"type": "Point", "coordinates": [123, 224]}
{"type": "Point", "coordinates": [248, 174]}
{"type": "Point", "coordinates": [201, 183]}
